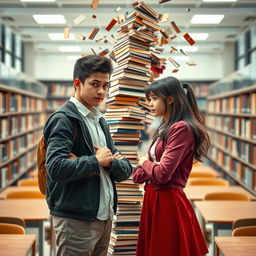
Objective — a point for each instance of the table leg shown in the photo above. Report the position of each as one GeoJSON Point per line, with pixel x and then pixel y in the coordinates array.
{"type": "Point", "coordinates": [41, 238]}
{"type": "Point", "coordinates": [214, 233]}
{"type": "Point", "coordinates": [34, 248]}
{"type": "Point", "coordinates": [217, 250]}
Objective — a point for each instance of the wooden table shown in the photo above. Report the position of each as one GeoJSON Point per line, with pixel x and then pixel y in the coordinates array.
{"type": "Point", "coordinates": [16, 188]}
{"type": "Point", "coordinates": [221, 214]}
{"type": "Point", "coordinates": [17, 245]}
{"type": "Point", "coordinates": [198, 192]}
{"type": "Point", "coordinates": [33, 211]}
{"type": "Point", "coordinates": [236, 245]}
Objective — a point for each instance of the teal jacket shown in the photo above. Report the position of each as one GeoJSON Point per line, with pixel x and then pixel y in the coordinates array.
{"type": "Point", "coordinates": [73, 186]}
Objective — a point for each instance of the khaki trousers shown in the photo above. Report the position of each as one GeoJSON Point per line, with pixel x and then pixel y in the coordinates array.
{"type": "Point", "coordinates": [81, 238]}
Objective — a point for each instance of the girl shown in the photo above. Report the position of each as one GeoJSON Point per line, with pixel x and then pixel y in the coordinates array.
{"type": "Point", "coordinates": [168, 225]}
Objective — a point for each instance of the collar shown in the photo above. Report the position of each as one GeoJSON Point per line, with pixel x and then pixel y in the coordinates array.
{"type": "Point", "coordinates": [95, 113]}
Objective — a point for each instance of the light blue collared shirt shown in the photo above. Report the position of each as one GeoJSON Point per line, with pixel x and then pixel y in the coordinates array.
{"type": "Point", "coordinates": [91, 119]}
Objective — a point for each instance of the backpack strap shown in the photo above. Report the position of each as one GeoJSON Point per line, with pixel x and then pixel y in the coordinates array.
{"type": "Point", "coordinates": [75, 126]}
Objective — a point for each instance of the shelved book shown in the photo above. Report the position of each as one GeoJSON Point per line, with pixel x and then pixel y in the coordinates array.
{"type": "Point", "coordinates": [21, 121]}
{"type": "Point", "coordinates": [231, 123]}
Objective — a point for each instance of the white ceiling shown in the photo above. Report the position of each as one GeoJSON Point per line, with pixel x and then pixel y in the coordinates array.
{"type": "Point", "coordinates": [231, 26]}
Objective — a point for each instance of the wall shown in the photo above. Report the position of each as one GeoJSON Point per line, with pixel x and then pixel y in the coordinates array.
{"type": "Point", "coordinates": [56, 66]}
{"type": "Point", "coordinates": [49, 66]}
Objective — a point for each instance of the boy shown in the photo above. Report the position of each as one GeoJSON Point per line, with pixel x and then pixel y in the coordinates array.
{"type": "Point", "coordinates": [83, 164]}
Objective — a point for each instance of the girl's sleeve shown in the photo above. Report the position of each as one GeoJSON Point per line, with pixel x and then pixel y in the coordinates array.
{"type": "Point", "coordinates": [139, 175]}
{"type": "Point", "coordinates": [179, 142]}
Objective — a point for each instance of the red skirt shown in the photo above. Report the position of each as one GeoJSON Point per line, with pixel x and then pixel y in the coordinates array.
{"type": "Point", "coordinates": [168, 225]}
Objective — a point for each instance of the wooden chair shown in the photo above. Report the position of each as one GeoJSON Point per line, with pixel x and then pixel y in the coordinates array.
{"type": "Point", "coordinates": [208, 182]}
{"type": "Point", "coordinates": [13, 220]}
{"type": "Point", "coordinates": [227, 196]}
{"type": "Point", "coordinates": [244, 231]}
{"type": "Point", "coordinates": [28, 182]}
{"type": "Point", "coordinates": [223, 196]}
{"type": "Point", "coordinates": [8, 228]}
{"type": "Point", "coordinates": [33, 174]}
{"type": "Point", "coordinates": [244, 223]}
{"type": "Point", "coordinates": [25, 194]}
{"type": "Point", "coordinates": [195, 174]}
{"type": "Point", "coordinates": [196, 164]}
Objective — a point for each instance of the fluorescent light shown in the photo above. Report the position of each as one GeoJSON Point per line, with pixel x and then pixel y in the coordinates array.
{"type": "Point", "coordinates": [70, 48]}
{"type": "Point", "coordinates": [219, 1]}
{"type": "Point", "coordinates": [181, 57]}
{"type": "Point", "coordinates": [198, 36]}
{"type": "Point", "coordinates": [60, 36]}
{"type": "Point", "coordinates": [189, 48]}
{"type": "Point", "coordinates": [38, 1]}
{"type": "Point", "coordinates": [72, 57]}
{"type": "Point", "coordinates": [207, 19]}
{"type": "Point", "coordinates": [49, 19]}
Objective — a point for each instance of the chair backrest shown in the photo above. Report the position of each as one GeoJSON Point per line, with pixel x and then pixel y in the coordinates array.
{"type": "Point", "coordinates": [227, 196]}
{"type": "Point", "coordinates": [207, 181]}
{"type": "Point", "coordinates": [13, 220]}
{"type": "Point", "coordinates": [28, 182]}
{"type": "Point", "coordinates": [196, 174]}
{"type": "Point", "coordinates": [25, 194]}
{"type": "Point", "coordinates": [33, 174]}
{"type": "Point", "coordinates": [244, 223]}
{"type": "Point", "coordinates": [244, 231]}
{"type": "Point", "coordinates": [196, 164]}
{"type": "Point", "coordinates": [7, 228]}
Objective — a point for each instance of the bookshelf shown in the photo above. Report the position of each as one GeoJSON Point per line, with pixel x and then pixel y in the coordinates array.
{"type": "Point", "coordinates": [22, 116]}
{"type": "Point", "coordinates": [58, 92]}
{"type": "Point", "coordinates": [231, 123]}
{"type": "Point", "coordinates": [201, 92]}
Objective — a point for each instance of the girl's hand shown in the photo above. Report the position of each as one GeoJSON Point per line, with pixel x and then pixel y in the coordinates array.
{"type": "Point", "coordinates": [142, 159]}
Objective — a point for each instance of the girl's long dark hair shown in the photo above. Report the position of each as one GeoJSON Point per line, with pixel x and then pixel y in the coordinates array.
{"type": "Point", "coordinates": [184, 108]}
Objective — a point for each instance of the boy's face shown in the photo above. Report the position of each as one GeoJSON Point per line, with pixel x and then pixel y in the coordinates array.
{"type": "Point", "coordinates": [94, 89]}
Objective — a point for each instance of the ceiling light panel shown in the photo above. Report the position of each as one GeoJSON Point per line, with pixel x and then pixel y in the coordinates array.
{"type": "Point", "coordinates": [189, 48]}
{"type": "Point", "coordinates": [70, 48]}
{"type": "Point", "coordinates": [60, 36]}
{"type": "Point", "coordinates": [207, 19]}
{"type": "Point", "coordinates": [219, 1]}
{"type": "Point", "coordinates": [38, 1]}
{"type": "Point", "coordinates": [49, 19]}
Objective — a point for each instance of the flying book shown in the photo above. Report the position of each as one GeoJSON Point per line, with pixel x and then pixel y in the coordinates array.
{"type": "Point", "coordinates": [94, 4]}
{"type": "Point", "coordinates": [94, 33]}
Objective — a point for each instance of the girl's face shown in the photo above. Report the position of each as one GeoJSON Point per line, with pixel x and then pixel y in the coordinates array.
{"type": "Point", "coordinates": [157, 105]}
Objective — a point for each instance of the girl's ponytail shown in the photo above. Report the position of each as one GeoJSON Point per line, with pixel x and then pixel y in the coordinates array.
{"type": "Point", "coordinates": [188, 90]}
{"type": "Point", "coordinates": [202, 140]}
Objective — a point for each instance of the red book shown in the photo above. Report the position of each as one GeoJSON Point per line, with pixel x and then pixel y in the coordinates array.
{"type": "Point", "coordinates": [111, 24]}
{"type": "Point", "coordinates": [189, 39]}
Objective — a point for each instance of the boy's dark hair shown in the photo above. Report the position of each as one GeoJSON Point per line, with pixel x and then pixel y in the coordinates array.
{"type": "Point", "coordinates": [87, 65]}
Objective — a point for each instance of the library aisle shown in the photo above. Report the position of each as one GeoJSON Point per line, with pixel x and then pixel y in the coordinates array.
{"type": "Point", "coordinates": [207, 45]}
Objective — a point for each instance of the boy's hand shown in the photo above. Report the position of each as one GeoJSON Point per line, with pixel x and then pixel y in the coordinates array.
{"type": "Point", "coordinates": [118, 156]}
{"type": "Point", "coordinates": [104, 156]}
{"type": "Point", "coordinates": [72, 156]}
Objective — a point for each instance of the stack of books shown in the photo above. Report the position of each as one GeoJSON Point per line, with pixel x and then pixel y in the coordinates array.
{"type": "Point", "coordinates": [132, 51]}
{"type": "Point", "coordinates": [126, 117]}
{"type": "Point", "coordinates": [125, 229]}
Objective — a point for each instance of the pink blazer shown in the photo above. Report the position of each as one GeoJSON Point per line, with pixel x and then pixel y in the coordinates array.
{"type": "Point", "coordinates": [175, 156]}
